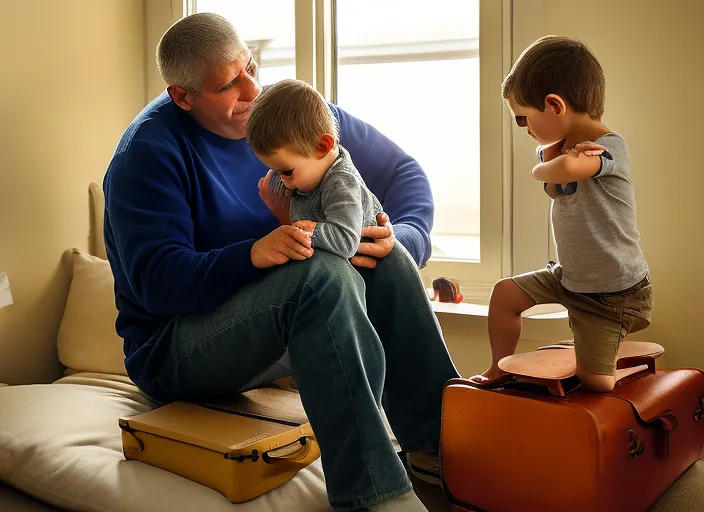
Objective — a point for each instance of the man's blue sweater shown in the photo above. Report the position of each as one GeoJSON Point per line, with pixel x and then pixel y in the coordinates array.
{"type": "Point", "coordinates": [182, 211]}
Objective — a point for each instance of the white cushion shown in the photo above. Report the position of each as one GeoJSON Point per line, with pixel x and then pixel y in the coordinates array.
{"type": "Point", "coordinates": [61, 443]}
{"type": "Point", "coordinates": [87, 340]}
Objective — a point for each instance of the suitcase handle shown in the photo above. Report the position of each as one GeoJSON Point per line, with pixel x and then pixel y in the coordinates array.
{"type": "Point", "coordinates": [632, 362]}
{"type": "Point", "coordinates": [294, 451]}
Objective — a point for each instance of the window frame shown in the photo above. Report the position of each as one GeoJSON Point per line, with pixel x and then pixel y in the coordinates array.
{"type": "Point", "coordinates": [514, 226]}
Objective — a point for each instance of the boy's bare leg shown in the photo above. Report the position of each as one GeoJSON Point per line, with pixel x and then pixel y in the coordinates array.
{"type": "Point", "coordinates": [596, 383]}
{"type": "Point", "coordinates": [508, 301]}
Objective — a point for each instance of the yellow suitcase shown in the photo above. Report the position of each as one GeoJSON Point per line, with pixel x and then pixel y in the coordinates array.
{"type": "Point", "coordinates": [242, 447]}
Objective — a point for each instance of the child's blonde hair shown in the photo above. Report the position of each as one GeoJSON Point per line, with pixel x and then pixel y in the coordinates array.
{"type": "Point", "coordinates": [557, 65]}
{"type": "Point", "coordinates": [290, 112]}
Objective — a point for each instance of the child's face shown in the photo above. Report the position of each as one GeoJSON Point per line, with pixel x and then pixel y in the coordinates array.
{"type": "Point", "coordinates": [298, 172]}
{"type": "Point", "coordinates": [546, 127]}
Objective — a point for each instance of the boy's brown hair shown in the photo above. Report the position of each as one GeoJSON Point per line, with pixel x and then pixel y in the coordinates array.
{"type": "Point", "coordinates": [557, 65]}
{"type": "Point", "coordinates": [289, 112]}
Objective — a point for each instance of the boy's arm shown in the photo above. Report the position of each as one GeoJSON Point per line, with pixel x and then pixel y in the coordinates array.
{"type": "Point", "coordinates": [397, 180]}
{"type": "Point", "coordinates": [341, 230]}
{"type": "Point", "coordinates": [580, 163]}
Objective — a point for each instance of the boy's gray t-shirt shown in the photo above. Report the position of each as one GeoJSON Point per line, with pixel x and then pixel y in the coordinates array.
{"type": "Point", "coordinates": [341, 204]}
{"type": "Point", "coordinates": [594, 223]}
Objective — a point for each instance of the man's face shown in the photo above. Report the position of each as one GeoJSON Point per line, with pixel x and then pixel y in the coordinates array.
{"type": "Point", "coordinates": [298, 172]}
{"type": "Point", "coordinates": [543, 126]}
{"type": "Point", "coordinates": [228, 91]}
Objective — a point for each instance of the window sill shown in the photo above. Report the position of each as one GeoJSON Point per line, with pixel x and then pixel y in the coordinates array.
{"type": "Point", "coordinates": [539, 312]}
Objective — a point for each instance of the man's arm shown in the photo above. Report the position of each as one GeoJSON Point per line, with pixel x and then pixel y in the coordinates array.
{"type": "Point", "coordinates": [150, 220]}
{"type": "Point", "coordinates": [395, 178]}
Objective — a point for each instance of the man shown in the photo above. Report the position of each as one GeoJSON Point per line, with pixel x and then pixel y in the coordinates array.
{"type": "Point", "coordinates": [216, 297]}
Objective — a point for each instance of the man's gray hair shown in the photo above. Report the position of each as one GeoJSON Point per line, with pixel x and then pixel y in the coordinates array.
{"type": "Point", "coordinates": [194, 43]}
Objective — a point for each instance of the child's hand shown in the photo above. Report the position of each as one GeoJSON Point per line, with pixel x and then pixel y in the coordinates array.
{"type": "Point", "coordinates": [306, 225]}
{"type": "Point", "coordinates": [588, 148]}
{"type": "Point", "coordinates": [279, 208]}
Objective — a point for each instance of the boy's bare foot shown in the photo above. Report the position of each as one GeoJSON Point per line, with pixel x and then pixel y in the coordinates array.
{"type": "Point", "coordinates": [494, 376]}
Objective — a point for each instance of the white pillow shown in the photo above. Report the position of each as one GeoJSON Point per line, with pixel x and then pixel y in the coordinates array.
{"type": "Point", "coordinates": [87, 340]}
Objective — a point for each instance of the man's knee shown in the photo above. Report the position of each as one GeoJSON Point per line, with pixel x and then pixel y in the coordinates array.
{"type": "Point", "coordinates": [325, 268]}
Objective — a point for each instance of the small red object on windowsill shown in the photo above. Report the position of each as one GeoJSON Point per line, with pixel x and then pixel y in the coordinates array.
{"type": "Point", "coordinates": [447, 290]}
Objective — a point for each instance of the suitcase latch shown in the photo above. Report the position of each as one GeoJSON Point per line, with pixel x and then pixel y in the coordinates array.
{"type": "Point", "coordinates": [636, 447]}
{"type": "Point", "coordinates": [254, 457]}
{"type": "Point", "coordinates": [124, 425]}
{"type": "Point", "coordinates": [699, 413]}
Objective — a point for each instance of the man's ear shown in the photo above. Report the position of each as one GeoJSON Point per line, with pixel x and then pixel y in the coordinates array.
{"type": "Point", "coordinates": [327, 142]}
{"type": "Point", "coordinates": [556, 104]}
{"type": "Point", "coordinates": [180, 97]}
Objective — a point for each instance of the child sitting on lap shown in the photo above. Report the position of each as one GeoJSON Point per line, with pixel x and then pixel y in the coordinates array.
{"type": "Point", "coordinates": [293, 131]}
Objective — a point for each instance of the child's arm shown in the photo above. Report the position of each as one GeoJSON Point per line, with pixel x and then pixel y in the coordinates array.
{"type": "Point", "coordinates": [340, 231]}
{"type": "Point", "coordinates": [580, 163]}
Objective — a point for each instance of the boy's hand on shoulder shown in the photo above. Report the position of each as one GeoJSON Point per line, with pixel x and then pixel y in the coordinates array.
{"type": "Point", "coordinates": [576, 164]}
{"type": "Point", "coordinates": [588, 148]}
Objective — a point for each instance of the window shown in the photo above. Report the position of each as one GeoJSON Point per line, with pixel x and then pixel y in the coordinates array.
{"type": "Point", "coordinates": [424, 70]}
{"type": "Point", "coordinates": [268, 27]}
{"type": "Point", "coordinates": [436, 93]}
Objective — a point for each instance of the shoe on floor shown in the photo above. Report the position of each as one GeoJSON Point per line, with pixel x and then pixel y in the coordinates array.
{"type": "Point", "coordinates": [425, 465]}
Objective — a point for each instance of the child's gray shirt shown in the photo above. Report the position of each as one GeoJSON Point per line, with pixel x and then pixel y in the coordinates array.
{"type": "Point", "coordinates": [594, 223]}
{"type": "Point", "coordinates": [341, 205]}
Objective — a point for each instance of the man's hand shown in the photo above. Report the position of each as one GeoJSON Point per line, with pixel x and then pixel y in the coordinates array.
{"type": "Point", "coordinates": [369, 252]}
{"type": "Point", "coordinates": [280, 208]}
{"type": "Point", "coordinates": [281, 245]}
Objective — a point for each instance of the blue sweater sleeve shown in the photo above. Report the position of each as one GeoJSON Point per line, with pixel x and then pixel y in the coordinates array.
{"type": "Point", "coordinates": [395, 178]}
{"type": "Point", "coordinates": [150, 219]}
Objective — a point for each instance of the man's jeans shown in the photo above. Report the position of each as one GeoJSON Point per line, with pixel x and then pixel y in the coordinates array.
{"type": "Point", "coordinates": [356, 338]}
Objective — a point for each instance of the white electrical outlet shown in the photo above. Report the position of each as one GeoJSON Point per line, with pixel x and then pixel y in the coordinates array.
{"type": "Point", "coordinates": [5, 294]}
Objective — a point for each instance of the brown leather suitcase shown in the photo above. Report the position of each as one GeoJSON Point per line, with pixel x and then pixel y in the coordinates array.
{"type": "Point", "coordinates": [522, 449]}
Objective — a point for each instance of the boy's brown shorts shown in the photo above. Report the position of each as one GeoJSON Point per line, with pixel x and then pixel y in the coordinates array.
{"type": "Point", "coordinates": [599, 321]}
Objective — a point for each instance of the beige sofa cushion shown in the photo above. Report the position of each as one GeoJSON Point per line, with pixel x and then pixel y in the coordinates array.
{"type": "Point", "coordinates": [87, 340]}
{"type": "Point", "coordinates": [61, 443]}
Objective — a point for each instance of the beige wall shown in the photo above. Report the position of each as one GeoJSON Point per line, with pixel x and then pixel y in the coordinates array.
{"type": "Point", "coordinates": [73, 77]}
{"type": "Point", "coordinates": [75, 72]}
{"type": "Point", "coordinates": [159, 15]}
{"type": "Point", "coordinates": [651, 53]}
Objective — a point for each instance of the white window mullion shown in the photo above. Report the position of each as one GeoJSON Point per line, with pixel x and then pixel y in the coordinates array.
{"type": "Point", "coordinates": [306, 41]}
{"type": "Point", "coordinates": [324, 43]}
{"type": "Point", "coordinates": [507, 167]}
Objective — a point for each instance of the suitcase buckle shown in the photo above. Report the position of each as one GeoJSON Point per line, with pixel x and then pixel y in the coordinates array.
{"type": "Point", "coordinates": [254, 457]}
{"type": "Point", "coordinates": [699, 412]}
{"type": "Point", "coordinates": [636, 447]}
